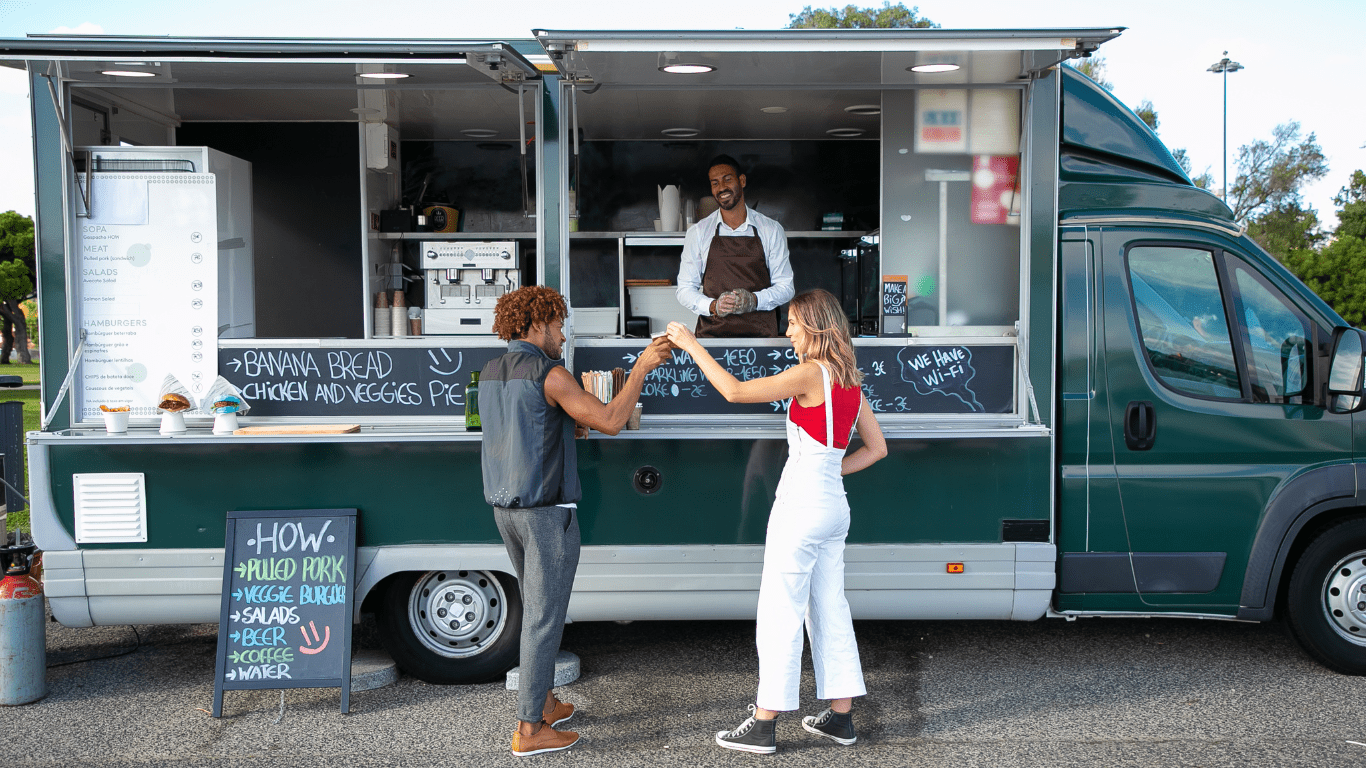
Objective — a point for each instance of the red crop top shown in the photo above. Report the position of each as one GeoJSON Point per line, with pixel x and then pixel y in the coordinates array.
{"type": "Point", "coordinates": [846, 402]}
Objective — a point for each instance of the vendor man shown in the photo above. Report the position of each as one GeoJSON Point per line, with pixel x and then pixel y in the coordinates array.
{"type": "Point", "coordinates": [735, 271]}
{"type": "Point", "coordinates": [529, 404]}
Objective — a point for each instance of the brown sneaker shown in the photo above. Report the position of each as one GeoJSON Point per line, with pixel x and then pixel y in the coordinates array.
{"type": "Point", "coordinates": [563, 711]}
{"type": "Point", "coordinates": [545, 740]}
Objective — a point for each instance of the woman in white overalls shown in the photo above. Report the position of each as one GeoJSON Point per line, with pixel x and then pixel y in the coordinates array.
{"type": "Point", "coordinates": [803, 577]}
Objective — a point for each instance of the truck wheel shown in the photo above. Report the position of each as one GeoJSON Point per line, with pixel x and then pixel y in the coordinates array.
{"type": "Point", "coordinates": [1326, 602]}
{"type": "Point", "coordinates": [448, 627]}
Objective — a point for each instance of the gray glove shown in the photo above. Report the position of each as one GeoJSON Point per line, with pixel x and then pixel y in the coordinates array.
{"type": "Point", "coordinates": [745, 301]}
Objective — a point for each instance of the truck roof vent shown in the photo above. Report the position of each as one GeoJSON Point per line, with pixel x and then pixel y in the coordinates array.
{"type": "Point", "coordinates": [110, 507]}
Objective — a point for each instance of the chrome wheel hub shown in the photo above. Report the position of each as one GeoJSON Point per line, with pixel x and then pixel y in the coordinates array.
{"type": "Point", "coordinates": [457, 614]}
{"type": "Point", "coordinates": [1344, 592]}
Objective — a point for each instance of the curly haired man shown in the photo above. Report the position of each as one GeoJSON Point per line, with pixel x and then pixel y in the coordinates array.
{"type": "Point", "coordinates": [529, 404]}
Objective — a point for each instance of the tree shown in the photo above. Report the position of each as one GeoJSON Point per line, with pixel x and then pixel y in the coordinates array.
{"type": "Point", "coordinates": [1351, 203]}
{"type": "Point", "coordinates": [1147, 113]}
{"type": "Point", "coordinates": [17, 247]}
{"type": "Point", "coordinates": [1271, 173]}
{"type": "Point", "coordinates": [852, 17]}
{"type": "Point", "coordinates": [1094, 68]}
{"type": "Point", "coordinates": [1285, 229]}
{"type": "Point", "coordinates": [1337, 274]}
{"type": "Point", "coordinates": [1204, 181]}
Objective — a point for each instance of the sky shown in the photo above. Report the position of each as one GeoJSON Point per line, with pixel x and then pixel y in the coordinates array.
{"type": "Point", "coordinates": [1304, 62]}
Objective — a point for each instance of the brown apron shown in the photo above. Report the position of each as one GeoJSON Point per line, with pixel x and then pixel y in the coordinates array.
{"type": "Point", "coordinates": [736, 262]}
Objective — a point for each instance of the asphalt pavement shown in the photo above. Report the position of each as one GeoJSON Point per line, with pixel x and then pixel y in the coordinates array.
{"type": "Point", "coordinates": [1110, 692]}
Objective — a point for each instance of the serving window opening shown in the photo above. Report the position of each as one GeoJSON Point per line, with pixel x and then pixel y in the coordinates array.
{"type": "Point", "coordinates": [918, 188]}
{"type": "Point", "coordinates": [318, 204]}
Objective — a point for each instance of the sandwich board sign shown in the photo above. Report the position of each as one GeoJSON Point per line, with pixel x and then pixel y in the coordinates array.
{"type": "Point", "coordinates": [288, 595]}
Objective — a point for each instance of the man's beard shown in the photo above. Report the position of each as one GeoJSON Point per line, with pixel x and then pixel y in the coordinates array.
{"type": "Point", "coordinates": [729, 204]}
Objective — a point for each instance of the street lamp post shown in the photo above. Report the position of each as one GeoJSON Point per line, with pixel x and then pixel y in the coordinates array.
{"type": "Point", "coordinates": [1225, 66]}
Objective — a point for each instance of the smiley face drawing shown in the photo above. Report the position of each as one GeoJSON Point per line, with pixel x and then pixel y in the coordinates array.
{"type": "Point", "coordinates": [308, 647]}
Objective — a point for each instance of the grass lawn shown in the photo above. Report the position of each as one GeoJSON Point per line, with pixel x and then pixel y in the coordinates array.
{"type": "Point", "coordinates": [29, 397]}
{"type": "Point", "coordinates": [29, 372]}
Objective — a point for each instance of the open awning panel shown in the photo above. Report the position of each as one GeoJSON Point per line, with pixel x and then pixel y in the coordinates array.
{"type": "Point", "coordinates": [267, 63]}
{"type": "Point", "coordinates": [811, 58]}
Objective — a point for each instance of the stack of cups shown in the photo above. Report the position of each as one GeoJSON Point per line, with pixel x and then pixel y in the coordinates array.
{"type": "Point", "coordinates": [398, 322]}
{"type": "Point", "coordinates": [383, 317]}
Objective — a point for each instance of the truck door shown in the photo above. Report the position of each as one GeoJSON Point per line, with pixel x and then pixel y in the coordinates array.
{"type": "Point", "coordinates": [1209, 365]}
{"type": "Point", "coordinates": [1094, 569]}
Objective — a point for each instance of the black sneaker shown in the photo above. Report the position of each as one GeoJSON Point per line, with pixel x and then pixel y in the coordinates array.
{"type": "Point", "coordinates": [834, 726]}
{"type": "Point", "coordinates": [753, 735]}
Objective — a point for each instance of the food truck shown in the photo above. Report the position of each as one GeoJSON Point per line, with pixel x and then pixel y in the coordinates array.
{"type": "Point", "coordinates": [1100, 397]}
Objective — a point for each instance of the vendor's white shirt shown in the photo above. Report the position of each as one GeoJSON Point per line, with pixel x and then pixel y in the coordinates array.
{"type": "Point", "coordinates": [697, 243]}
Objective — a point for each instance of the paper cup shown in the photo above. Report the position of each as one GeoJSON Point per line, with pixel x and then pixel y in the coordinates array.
{"type": "Point", "coordinates": [225, 423]}
{"type": "Point", "coordinates": [633, 421]}
{"type": "Point", "coordinates": [172, 423]}
{"type": "Point", "coordinates": [115, 422]}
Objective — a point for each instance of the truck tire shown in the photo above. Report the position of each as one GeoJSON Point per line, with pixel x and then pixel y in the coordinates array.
{"type": "Point", "coordinates": [450, 627]}
{"type": "Point", "coordinates": [1326, 602]}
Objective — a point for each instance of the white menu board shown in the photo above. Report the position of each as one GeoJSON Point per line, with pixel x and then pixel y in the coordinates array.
{"type": "Point", "coordinates": [148, 289]}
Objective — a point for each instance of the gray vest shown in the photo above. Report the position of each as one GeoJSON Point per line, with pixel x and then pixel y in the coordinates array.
{"type": "Point", "coordinates": [528, 453]}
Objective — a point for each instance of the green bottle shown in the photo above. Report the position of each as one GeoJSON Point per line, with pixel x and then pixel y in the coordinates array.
{"type": "Point", "coordinates": [472, 404]}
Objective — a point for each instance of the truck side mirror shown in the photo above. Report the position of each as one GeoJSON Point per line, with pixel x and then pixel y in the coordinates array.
{"type": "Point", "coordinates": [1345, 372]}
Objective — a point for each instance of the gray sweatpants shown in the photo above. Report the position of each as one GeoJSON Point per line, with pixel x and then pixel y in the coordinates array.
{"type": "Point", "coordinates": [543, 543]}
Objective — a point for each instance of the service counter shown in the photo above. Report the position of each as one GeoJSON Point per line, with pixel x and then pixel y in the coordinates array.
{"type": "Point", "coordinates": [701, 428]}
{"type": "Point", "coordinates": [415, 389]}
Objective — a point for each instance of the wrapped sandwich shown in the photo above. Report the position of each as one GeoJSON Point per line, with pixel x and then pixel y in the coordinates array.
{"type": "Point", "coordinates": [223, 397]}
{"type": "Point", "coordinates": [173, 397]}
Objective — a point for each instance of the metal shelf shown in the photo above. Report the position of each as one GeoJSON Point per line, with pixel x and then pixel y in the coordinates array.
{"type": "Point", "coordinates": [453, 235]}
{"type": "Point", "coordinates": [804, 234]}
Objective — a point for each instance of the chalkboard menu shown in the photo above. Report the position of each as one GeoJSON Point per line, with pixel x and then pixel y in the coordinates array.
{"type": "Point", "coordinates": [896, 379]}
{"type": "Point", "coordinates": [399, 381]}
{"type": "Point", "coordinates": [288, 595]}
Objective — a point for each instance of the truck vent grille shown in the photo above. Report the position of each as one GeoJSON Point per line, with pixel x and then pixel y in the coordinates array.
{"type": "Point", "coordinates": [110, 507]}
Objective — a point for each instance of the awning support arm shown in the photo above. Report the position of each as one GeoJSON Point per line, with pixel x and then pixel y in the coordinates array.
{"type": "Point", "coordinates": [85, 192]}
{"type": "Point", "coordinates": [521, 124]}
{"type": "Point", "coordinates": [574, 108]}
{"type": "Point", "coordinates": [1082, 51]}
{"type": "Point", "coordinates": [66, 383]}
{"type": "Point", "coordinates": [1024, 369]}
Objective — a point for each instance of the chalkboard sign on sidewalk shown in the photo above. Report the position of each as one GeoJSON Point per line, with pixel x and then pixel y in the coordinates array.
{"type": "Point", "coordinates": [287, 602]}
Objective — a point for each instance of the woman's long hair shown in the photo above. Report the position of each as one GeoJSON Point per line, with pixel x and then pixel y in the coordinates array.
{"type": "Point", "coordinates": [827, 329]}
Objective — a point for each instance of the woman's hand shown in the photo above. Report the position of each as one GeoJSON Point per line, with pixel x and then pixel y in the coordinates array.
{"type": "Point", "coordinates": [681, 337]}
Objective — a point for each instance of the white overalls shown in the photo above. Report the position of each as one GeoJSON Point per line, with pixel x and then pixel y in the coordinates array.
{"type": "Point", "coordinates": [803, 575]}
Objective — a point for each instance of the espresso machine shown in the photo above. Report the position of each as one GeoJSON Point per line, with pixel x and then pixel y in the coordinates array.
{"type": "Point", "coordinates": [464, 281]}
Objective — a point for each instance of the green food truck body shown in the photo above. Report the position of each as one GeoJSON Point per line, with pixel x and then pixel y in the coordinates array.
{"type": "Point", "coordinates": [1101, 398]}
